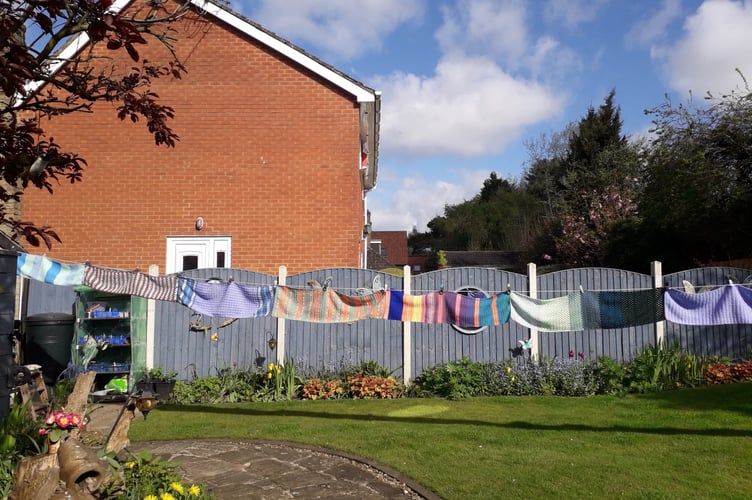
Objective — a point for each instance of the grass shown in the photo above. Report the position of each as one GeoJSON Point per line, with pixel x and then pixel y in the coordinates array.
{"type": "Point", "coordinates": [682, 444]}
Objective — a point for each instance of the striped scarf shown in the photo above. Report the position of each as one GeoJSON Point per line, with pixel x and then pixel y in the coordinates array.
{"type": "Point", "coordinates": [40, 268]}
{"type": "Point", "coordinates": [449, 307]}
{"type": "Point", "coordinates": [324, 305]}
{"type": "Point", "coordinates": [131, 283]}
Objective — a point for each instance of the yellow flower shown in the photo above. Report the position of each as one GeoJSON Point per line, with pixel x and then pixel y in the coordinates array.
{"type": "Point", "coordinates": [508, 369]}
{"type": "Point", "coordinates": [194, 490]}
{"type": "Point", "coordinates": [271, 366]}
{"type": "Point", "coordinates": [269, 375]}
{"type": "Point", "coordinates": [214, 337]}
{"type": "Point", "coordinates": [150, 497]}
{"type": "Point", "coordinates": [512, 379]}
{"type": "Point", "coordinates": [166, 496]}
{"type": "Point", "coordinates": [130, 465]}
{"type": "Point", "coordinates": [177, 487]}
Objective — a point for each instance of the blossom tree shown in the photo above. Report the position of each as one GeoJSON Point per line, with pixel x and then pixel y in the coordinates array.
{"type": "Point", "coordinates": [42, 76]}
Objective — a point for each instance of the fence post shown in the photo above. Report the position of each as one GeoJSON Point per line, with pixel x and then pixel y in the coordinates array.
{"type": "Point", "coordinates": [407, 342]}
{"type": "Point", "coordinates": [281, 280]}
{"type": "Point", "coordinates": [151, 313]}
{"type": "Point", "coordinates": [656, 271]}
{"type": "Point", "coordinates": [532, 285]}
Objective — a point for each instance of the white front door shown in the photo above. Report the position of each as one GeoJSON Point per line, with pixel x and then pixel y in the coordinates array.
{"type": "Point", "coordinates": [187, 252]}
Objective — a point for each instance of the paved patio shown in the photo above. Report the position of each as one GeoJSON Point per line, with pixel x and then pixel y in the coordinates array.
{"type": "Point", "coordinates": [271, 469]}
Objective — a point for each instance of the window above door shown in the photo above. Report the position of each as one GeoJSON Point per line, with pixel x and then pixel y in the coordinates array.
{"type": "Point", "coordinates": [189, 252]}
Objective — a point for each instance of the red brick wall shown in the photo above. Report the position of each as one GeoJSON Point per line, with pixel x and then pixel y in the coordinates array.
{"type": "Point", "coordinates": [268, 154]}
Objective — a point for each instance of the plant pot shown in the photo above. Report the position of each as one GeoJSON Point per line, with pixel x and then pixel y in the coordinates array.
{"type": "Point", "coordinates": [145, 386]}
{"type": "Point", "coordinates": [164, 389]}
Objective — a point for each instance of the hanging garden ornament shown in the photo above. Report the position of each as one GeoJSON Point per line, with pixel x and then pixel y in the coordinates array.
{"type": "Point", "coordinates": [526, 344]}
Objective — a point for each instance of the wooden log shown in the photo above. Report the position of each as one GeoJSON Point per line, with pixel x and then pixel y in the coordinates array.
{"type": "Point", "coordinates": [78, 401]}
{"type": "Point", "coordinates": [36, 477]}
{"type": "Point", "coordinates": [118, 438]}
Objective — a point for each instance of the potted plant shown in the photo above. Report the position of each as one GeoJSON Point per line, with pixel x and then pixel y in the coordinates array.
{"type": "Point", "coordinates": [158, 381]}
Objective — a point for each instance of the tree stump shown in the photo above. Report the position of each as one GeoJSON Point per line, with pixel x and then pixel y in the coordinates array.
{"type": "Point", "coordinates": [36, 477]}
{"type": "Point", "coordinates": [78, 401]}
{"type": "Point", "coordinates": [118, 438]}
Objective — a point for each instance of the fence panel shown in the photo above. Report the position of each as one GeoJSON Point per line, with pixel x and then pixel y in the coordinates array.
{"type": "Point", "coordinates": [46, 298]}
{"type": "Point", "coordinates": [321, 346]}
{"type": "Point", "coordinates": [438, 343]}
{"type": "Point", "coordinates": [620, 344]}
{"type": "Point", "coordinates": [192, 352]}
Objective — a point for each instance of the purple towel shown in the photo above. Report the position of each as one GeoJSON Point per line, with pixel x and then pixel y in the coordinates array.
{"type": "Point", "coordinates": [727, 305]}
{"type": "Point", "coordinates": [226, 300]}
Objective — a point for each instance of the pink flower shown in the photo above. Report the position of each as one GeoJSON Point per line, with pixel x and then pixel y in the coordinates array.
{"type": "Point", "coordinates": [63, 421]}
{"type": "Point", "coordinates": [581, 355]}
{"type": "Point", "coordinates": [571, 354]}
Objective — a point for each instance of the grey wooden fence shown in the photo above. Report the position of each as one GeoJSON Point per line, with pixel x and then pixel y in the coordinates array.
{"type": "Point", "coordinates": [313, 346]}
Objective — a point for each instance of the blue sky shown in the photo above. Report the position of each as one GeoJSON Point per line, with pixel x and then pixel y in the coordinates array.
{"type": "Point", "coordinates": [467, 83]}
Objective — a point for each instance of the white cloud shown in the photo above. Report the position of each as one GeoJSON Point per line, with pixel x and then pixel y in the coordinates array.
{"type": "Point", "coordinates": [572, 13]}
{"type": "Point", "coordinates": [485, 27]}
{"type": "Point", "coordinates": [470, 107]}
{"type": "Point", "coordinates": [418, 200]}
{"type": "Point", "coordinates": [342, 29]}
{"type": "Point", "coordinates": [716, 40]}
{"type": "Point", "coordinates": [654, 25]}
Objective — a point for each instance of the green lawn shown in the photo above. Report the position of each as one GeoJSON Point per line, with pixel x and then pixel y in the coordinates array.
{"type": "Point", "coordinates": [683, 444]}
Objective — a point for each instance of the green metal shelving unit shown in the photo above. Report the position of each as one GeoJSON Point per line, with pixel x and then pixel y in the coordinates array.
{"type": "Point", "coordinates": [117, 324]}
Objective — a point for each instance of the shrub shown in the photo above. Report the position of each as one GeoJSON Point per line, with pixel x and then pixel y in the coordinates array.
{"type": "Point", "coordinates": [19, 438]}
{"type": "Point", "coordinates": [229, 386]}
{"type": "Point", "coordinates": [320, 389]}
{"type": "Point", "coordinates": [718, 373]}
{"type": "Point", "coordinates": [147, 476]}
{"type": "Point", "coordinates": [742, 371]}
{"type": "Point", "coordinates": [370, 387]}
{"type": "Point", "coordinates": [368, 368]}
{"type": "Point", "coordinates": [455, 380]}
{"type": "Point", "coordinates": [660, 367]}
{"type": "Point", "coordinates": [611, 376]}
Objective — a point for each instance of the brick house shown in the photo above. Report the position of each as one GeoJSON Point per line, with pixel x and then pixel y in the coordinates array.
{"type": "Point", "coordinates": [277, 153]}
{"type": "Point", "coordinates": [388, 249]}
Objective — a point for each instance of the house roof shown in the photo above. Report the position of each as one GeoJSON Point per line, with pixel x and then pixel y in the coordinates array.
{"type": "Point", "coordinates": [394, 244]}
{"type": "Point", "coordinates": [368, 98]}
{"type": "Point", "coordinates": [377, 262]}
